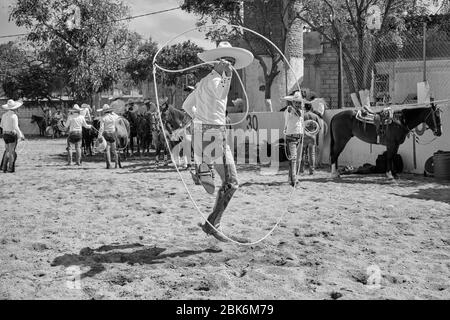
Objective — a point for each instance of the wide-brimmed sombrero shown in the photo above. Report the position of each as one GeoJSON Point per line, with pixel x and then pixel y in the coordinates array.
{"type": "Point", "coordinates": [105, 108]}
{"type": "Point", "coordinates": [12, 105]}
{"type": "Point", "coordinates": [163, 101]}
{"type": "Point", "coordinates": [189, 89]}
{"type": "Point", "coordinates": [242, 56]}
{"type": "Point", "coordinates": [297, 96]}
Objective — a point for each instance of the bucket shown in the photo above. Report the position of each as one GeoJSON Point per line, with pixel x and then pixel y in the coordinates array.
{"type": "Point", "coordinates": [429, 167]}
{"type": "Point", "coordinates": [441, 160]}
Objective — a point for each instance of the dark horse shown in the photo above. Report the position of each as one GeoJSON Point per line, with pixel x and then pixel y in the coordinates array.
{"type": "Point", "coordinates": [89, 136]}
{"type": "Point", "coordinates": [41, 122]}
{"type": "Point", "coordinates": [173, 119]}
{"type": "Point", "coordinates": [133, 120]}
{"type": "Point", "coordinates": [144, 132]}
{"type": "Point", "coordinates": [344, 126]}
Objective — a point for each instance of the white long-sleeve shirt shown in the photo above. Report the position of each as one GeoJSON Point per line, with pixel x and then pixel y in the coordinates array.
{"type": "Point", "coordinates": [108, 123]}
{"type": "Point", "coordinates": [76, 123]}
{"type": "Point", "coordinates": [208, 102]}
{"type": "Point", "coordinates": [293, 123]}
{"type": "Point", "coordinates": [10, 123]}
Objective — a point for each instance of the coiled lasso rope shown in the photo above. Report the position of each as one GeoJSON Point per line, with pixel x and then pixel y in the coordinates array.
{"type": "Point", "coordinates": [155, 67]}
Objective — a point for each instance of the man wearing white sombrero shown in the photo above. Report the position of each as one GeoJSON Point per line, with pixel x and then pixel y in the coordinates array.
{"type": "Point", "coordinates": [206, 106]}
{"type": "Point", "coordinates": [108, 132]}
{"type": "Point", "coordinates": [11, 132]}
{"type": "Point", "coordinates": [293, 129]}
{"type": "Point", "coordinates": [75, 125]}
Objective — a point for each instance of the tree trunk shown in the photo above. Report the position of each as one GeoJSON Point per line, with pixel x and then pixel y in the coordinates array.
{"type": "Point", "coordinates": [294, 47]}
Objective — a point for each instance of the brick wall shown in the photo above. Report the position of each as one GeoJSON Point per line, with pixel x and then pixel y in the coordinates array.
{"type": "Point", "coordinates": [324, 78]}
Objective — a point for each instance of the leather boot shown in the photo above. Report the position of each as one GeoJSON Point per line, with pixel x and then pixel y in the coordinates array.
{"type": "Point", "coordinates": [224, 196]}
{"type": "Point", "coordinates": [108, 158]}
{"type": "Point", "coordinates": [78, 156]}
{"type": "Point", "coordinates": [13, 164]}
{"type": "Point", "coordinates": [292, 171]}
{"type": "Point", "coordinates": [4, 161]}
{"type": "Point", "coordinates": [69, 156]}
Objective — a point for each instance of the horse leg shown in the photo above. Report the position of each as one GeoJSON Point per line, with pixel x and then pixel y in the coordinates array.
{"type": "Point", "coordinates": [138, 142]}
{"type": "Point", "coordinates": [335, 151]}
{"type": "Point", "coordinates": [391, 152]}
{"type": "Point", "coordinates": [118, 159]}
{"type": "Point", "coordinates": [83, 143]}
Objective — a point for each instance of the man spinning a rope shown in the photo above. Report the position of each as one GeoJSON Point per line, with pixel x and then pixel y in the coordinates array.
{"type": "Point", "coordinates": [206, 107]}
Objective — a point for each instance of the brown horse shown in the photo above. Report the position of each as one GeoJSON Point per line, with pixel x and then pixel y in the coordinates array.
{"type": "Point", "coordinates": [344, 126]}
{"type": "Point", "coordinates": [41, 122]}
{"type": "Point", "coordinates": [133, 122]}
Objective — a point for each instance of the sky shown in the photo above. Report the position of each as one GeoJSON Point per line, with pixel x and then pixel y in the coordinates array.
{"type": "Point", "coordinates": [160, 27]}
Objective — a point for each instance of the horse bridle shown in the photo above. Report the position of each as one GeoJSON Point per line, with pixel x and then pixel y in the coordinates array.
{"type": "Point", "coordinates": [433, 114]}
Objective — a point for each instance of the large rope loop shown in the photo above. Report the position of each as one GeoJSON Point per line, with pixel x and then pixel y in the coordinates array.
{"type": "Point", "coordinates": [156, 67]}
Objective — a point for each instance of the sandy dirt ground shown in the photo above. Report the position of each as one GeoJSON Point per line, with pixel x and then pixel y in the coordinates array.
{"type": "Point", "coordinates": [91, 233]}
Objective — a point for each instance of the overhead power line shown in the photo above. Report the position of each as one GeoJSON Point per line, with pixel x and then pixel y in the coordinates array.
{"type": "Point", "coordinates": [123, 19]}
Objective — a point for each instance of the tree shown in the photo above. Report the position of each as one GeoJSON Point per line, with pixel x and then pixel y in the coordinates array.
{"type": "Point", "coordinates": [140, 67]}
{"type": "Point", "coordinates": [274, 19]}
{"type": "Point", "coordinates": [344, 21]}
{"type": "Point", "coordinates": [176, 57]}
{"type": "Point", "coordinates": [24, 74]}
{"type": "Point", "coordinates": [91, 48]}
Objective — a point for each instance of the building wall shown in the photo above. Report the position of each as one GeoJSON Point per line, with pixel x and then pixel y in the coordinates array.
{"type": "Point", "coordinates": [24, 114]}
{"type": "Point", "coordinates": [356, 152]}
{"type": "Point", "coordinates": [404, 76]}
{"type": "Point", "coordinates": [322, 76]}
{"type": "Point", "coordinates": [30, 108]}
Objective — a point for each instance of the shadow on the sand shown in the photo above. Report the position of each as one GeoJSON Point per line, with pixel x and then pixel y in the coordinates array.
{"type": "Point", "coordinates": [436, 194]}
{"type": "Point", "coordinates": [149, 167]}
{"type": "Point", "coordinates": [403, 181]}
{"type": "Point", "coordinates": [270, 184]}
{"type": "Point", "coordinates": [96, 258]}
{"type": "Point", "coordinates": [100, 157]}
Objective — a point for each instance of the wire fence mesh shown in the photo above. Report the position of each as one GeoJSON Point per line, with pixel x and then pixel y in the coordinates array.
{"type": "Point", "coordinates": [390, 70]}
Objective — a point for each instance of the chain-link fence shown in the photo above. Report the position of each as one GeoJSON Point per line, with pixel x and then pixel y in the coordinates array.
{"type": "Point", "coordinates": [390, 69]}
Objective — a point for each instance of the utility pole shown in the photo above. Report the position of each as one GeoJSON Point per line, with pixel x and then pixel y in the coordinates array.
{"type": "Point", "coordinates": [424, 51]}
{"type": "Point", "coordinates": [341, 103]}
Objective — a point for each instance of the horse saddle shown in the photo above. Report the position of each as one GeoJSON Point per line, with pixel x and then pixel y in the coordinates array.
{"type": "Point", "coordinates": [379, 119]}
{"type": "Point", "coordinates": [383, 117]}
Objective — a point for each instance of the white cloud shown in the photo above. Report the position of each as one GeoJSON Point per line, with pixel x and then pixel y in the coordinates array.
{"type": "Point", "coordinates": [164, 26]}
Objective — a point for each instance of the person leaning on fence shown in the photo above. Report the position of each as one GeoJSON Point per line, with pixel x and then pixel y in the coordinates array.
{"type": "Point", "coordinates": [108, 132]}
{"type": "Point", "coordinates": [75, 125]}
{"type": "Point", "coordinates": [310, 139]}
{"type": "Point", "coordinates": [293, 129]}
{"type": "Point", "coordinates": [11, 132]}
